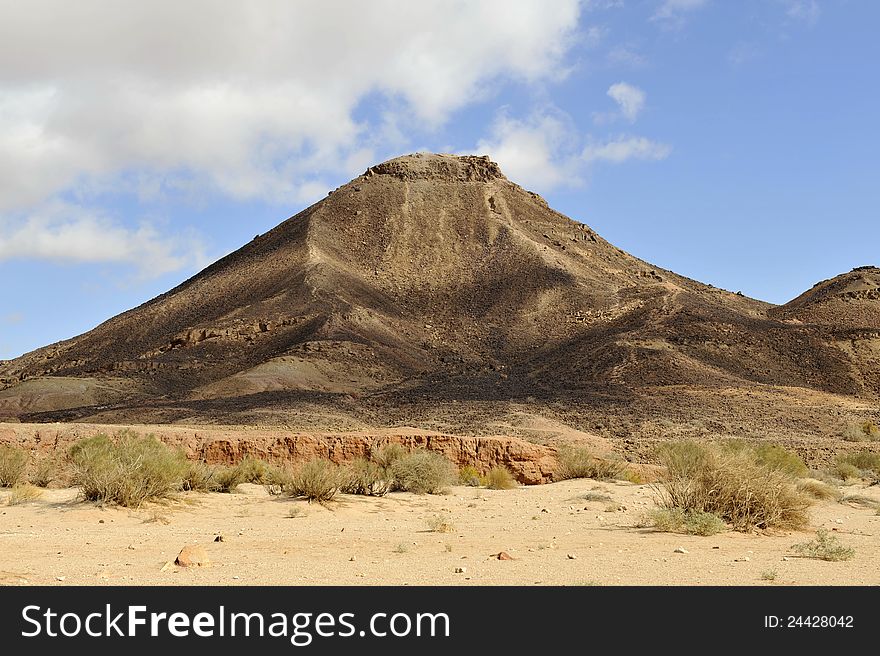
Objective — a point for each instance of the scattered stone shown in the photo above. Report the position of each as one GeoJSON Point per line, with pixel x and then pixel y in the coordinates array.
{"type": "Point", "coordinates": [192, 555]}
{"type": "Point", "coordinates": [460, 570]}
{"type": "Point", "coordinates": [219, 538]}
{"type": "Point", "coordinates": [744, 559]}
{"type": "Point", "coordinates": [60, 578]}
{"type": "Point", "coordinates": [352, 559]}
{"type": "Point", "coordinates": [786, 558]}
{"type": "Point", "coordinates": [503, 555]}
{"type": "Point", "coordinates": [131, 547]}
{"type": "Point", "coordinates": [235, 578]}
{"type": "Point", "coordinates": [572, 557]}
{"type": "Point", "coordinates": [166, 566]}
{"type": "Point", "coordinates": [680, 550]}
{"type": "Point", "coordinates": [544, 510]}
{"type": "Point", "coordinates": [100, 521]}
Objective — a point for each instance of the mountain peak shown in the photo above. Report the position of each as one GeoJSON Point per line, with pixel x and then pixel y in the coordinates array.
{"type": "Point", "coordinates": [439, 167]}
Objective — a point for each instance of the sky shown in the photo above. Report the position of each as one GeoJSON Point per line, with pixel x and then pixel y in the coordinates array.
{"type": "Point", "coordinates": [731, 142]}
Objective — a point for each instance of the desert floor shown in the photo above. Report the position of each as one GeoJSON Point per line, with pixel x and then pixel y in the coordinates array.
{"type": "Point", "coordinates": [554, 536]}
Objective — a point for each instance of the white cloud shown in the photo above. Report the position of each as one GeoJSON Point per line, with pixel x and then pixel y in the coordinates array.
{"type": "Point", "coordinates": [535, 152]}
{"type": "Point", "coordinates": [253, 101]}
{"type": "Point", "coordinates": [807, 11]}
{"type": "Point", "coordinates": [624, 148]}
{"type": "Point", "coordinates": [64, 232]}
{"type": "Point", "coordinates": [672, 10]}
{"type": "Point", "coordinates": [626, 55]}
{"type": "Point", "coordinates": [631, 99]}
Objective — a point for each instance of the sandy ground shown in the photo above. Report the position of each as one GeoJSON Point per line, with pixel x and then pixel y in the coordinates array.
{"type": "Point", "coordinates": [554, 536]}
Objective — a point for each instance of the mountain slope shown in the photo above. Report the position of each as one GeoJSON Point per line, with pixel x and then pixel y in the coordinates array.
{"type": "Point", "coordinates": [432, 278]}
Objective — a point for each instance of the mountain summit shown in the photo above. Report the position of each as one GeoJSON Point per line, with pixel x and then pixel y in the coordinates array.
{"type": "Point", "coordinates": [433, 280]}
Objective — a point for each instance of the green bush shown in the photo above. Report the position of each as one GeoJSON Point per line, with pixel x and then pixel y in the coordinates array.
{"type": "Point", "coordinates": [824, 547]}
{"type": "Point", "coordinates": [315, 480]}
{"type": "Point", "coordinates": [861, 431]}
{"type": "Point", "coordinates": [579, 462]}
{"type": "Point", "coordinates": [13, 465]}
{"type": "Point", "coordinates": [362, 476]}
{"type": "Point", "coordinates": [732, 484]}
{"type": "Point", "coordinates": [500, 478]}
{"type": "Point", "coordinates": [690, 522]}
{"type": "Point", "coordinates": [128, 471]}
{"type": "Point", "coordinates": [388, 454]}
{"type": "Point", "coordinates": [422, 472]}
{"type": "Point", "coordinates": [866, 462]}
{"type": "Point", "coordinates": [470, 476]}
{"type": "Point", "coordinates": [200, 477]}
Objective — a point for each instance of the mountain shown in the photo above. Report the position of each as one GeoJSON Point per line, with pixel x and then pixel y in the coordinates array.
{"type": "Point", "coordinates": [433, 291]}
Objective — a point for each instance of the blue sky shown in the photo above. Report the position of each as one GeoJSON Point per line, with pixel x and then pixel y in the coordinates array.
{"type": "Point", "coordinates": [732, 142]}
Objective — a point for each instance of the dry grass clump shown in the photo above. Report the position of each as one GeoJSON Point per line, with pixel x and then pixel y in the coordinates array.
{"type": "Point", "coordinates": [387, 455]}
{"type": "Point", "coordinates": [772, 455]}
{"type": "Point", "coordinates": [199, 477]}
{"type": "Point", "coordinates": [579, 462]}
{"type": "Point", "coordinates": [690, 522]}
{"type": "Point", "coordinates": [366, 477]}
{"type": "Point", "coordinates": [819, 490]}
{"type": "Point", "coordinates": [500, 478]}
{"type": "Point", "coordinates": [733, 484]}
{"type": "Point", "coordinates": [46, 469]}
{"type": "Point", "coordinates": [23, 493]}
{"type": "Point", "coordinates": [13, 465]}
{"type": "Point", "coordinates": [440, 523]}
{"type": "Point", "coordinates": [422, 472]}
{"type": "Point", "coordinates": [824, 547]}
{"type": "Point", "coordinates": [861, 431]}
{"type": "Point", "coordinates": [315, 480]}
{"type": "Point", "coordinates": [127, 471]}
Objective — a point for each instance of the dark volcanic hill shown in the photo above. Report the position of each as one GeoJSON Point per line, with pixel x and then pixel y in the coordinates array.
{"type": "Point", "coordinates": [432, 280]}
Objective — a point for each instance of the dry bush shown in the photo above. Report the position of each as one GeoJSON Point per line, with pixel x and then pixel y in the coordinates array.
{"type": "Point", "coordinates": [422, 472]}
{"type": "Point", "coordinates": [690, 522]}
{"type": "Point", "coordinates": [732, 484]}
{"type": "Point", "coordinates": [127, 471]}
{"type": "Point", "coordinates": [818, 489]}
{"type": "Point", "coordinates": [227, 479]}
{"type": "Point", "coordinates": [46, 469]}
{"type": "Point", "coordinates": [771, 455]}
{"type": "Point", "coordinates": [199, 477]}
{"type": "Point", "coordinates": [23, 493]}
{"type": "Point", "coordinates": [861, 431]}
{"type": "Point", "coordinates": [579, 462]}
{"type": "Point", "coordinates": [278, 478]}
{"type": "Point", "coordinates": [824, 547]}
{"type": "Point", "coordinates": [470, 476]}
{"type": "Point", "coordinates": [500, 478]}
{"type": "Point", "coordinates": [858, 464]}
{"type": "Point", "coordinates": [315, 480]}
{"type": "Point", "coordinates": [388, 454]}
{"type": "Point", "coordinates": [440, 524]}
{"type": "Point", "coordinates": [860, 500]}
{"type": "Point", "coordinates": [13, 465]}
{"type": "Point", "coordinates": [362, 476]}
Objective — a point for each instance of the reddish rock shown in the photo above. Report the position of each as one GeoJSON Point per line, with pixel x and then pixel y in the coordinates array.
{"type": "Point", "coordinates": [192, 555]}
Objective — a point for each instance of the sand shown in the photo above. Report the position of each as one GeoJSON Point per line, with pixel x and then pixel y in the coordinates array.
{"type": "Point", "coordinates": [554, 536]}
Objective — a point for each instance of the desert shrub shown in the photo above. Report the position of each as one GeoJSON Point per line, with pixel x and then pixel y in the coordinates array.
{"type": "Point", "coordinates": [254, 470]}
{"type": "Point", "coordinates": [824, 547]}
{"type": "Point", "coordinates": [470, 476]}
{"type": "Point", "coordinates": [199, 477]}
{"type": "Point", "coordinates": [768, 575]}
{"type": "Point", "coordinates": [596, 496]}
{"type": "Point", "coordinates": [579, 462]}
{"type": "Point", "coordinates": [732, 484]}
{"type": "Point", "coordinates": [860, 500]}
{"type": "Point", "coordinates": [440, 524]}
{"type": "Point", "coordinates": [128, 471]}
{"type": "Point", "coordinates": [422, 472]}
{"type": "Point", "coordinates": [46, 469]}
{"type": "Point", "coordinates": [866, 462]}
{"type": "Point", "coordinates": [388, 454]}
{"type": "Point", "coordinates": [818, 489]}
{"type": "Point", "coordinates": [315, 480]}
{"type": "Point", "coordinates": [691, 522]}
{"type": "Point", "coordinates": [227, 479]}
{"type": "Point", "coordinates": [363, 476]}
{"type": "Point", "coordinates": [23, 493]}
{"type": "Point", "coordinates": [861, 431]}
{"type": "Point", "coordinates": [13, 464]}
{"type": "Point", "coordinates": [500, 478]}
{"type": "Point", "coordinates": [772, 455]}
{"type": "Point", "coordinates": [277, 479]}
{"type": "Point", "coordinates": [847, 471]}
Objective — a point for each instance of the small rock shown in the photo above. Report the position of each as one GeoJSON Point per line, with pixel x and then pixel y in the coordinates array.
{"type": "Point", "coordinates": [60, 578]}
{"type": "Point", "coordinates": [544, 510]}
{"type": "Point", "coordinates": [460, 570]}
{"type": "Point", "coordinates": [680, 550]}
{"type": "Point", "coordinates": [192, 555]}
{"type": "Point", "coordinates": [219, 538]}
{"type": "Point", "coordinates": [352, 559]}
{"type": "Point", "coordinates": [235, 578]}
{"type": "Point", "coordinates": [100, 521]}
{"type": "Point", "coordinates": [503, 555]}
{"type": "Point", "coordinates": [571, 557]}
{"type": "Point", "coordinates": [744, 559]}
{"type": "Point", "coordinates": [131, 547]}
